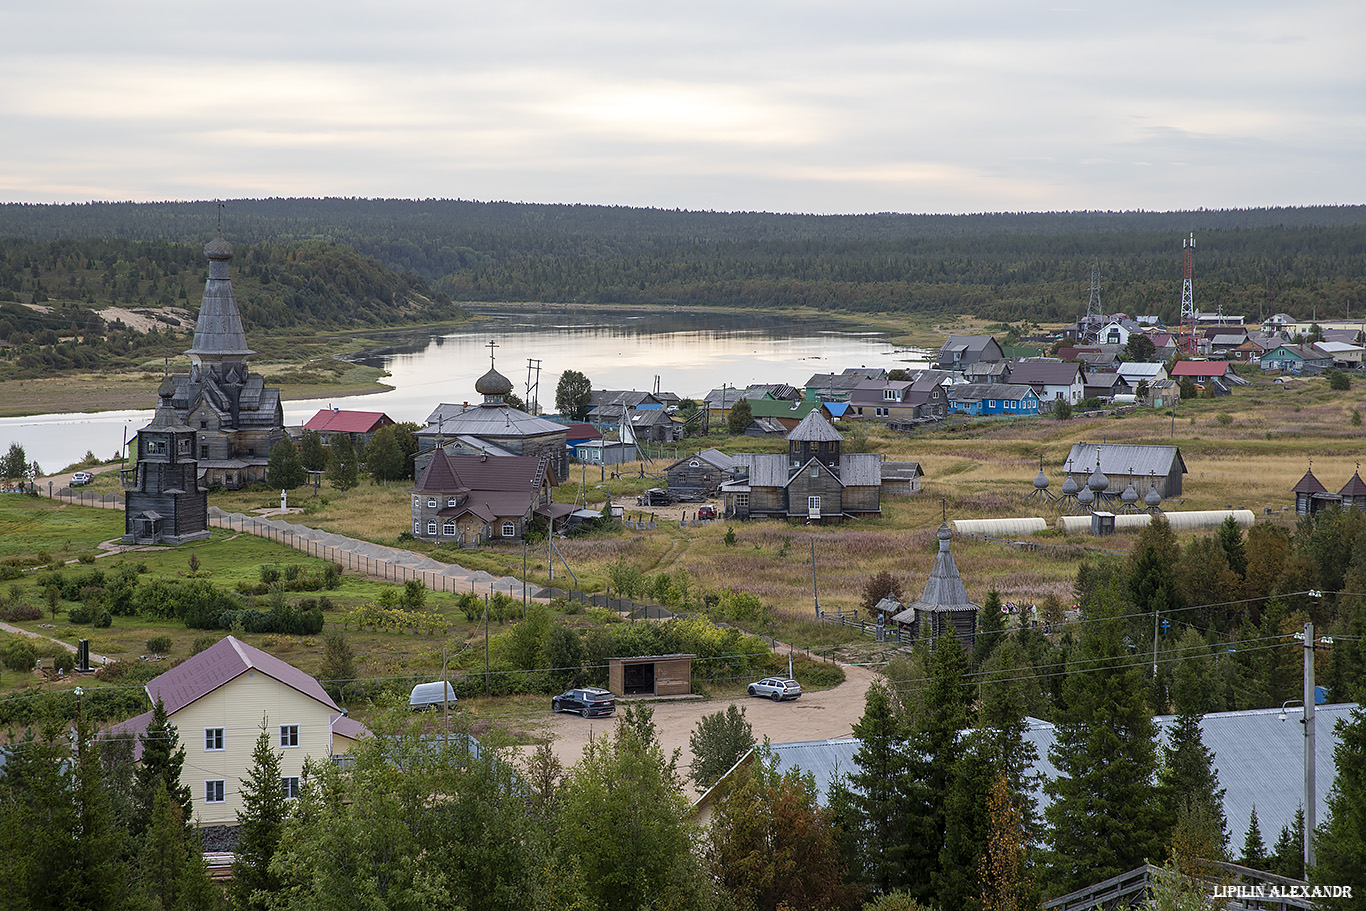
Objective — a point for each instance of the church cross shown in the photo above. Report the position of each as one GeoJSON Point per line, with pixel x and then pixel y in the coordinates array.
{"type": "Point", "coordinates": [491, 345]}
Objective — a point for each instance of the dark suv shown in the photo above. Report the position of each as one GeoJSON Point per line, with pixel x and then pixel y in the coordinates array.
{"type": "Point", "coordinates": [587, 701]}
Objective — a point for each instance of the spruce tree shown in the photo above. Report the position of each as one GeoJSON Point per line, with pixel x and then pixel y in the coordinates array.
{"type": "Point", "coordinates": [259, 824]}
{"type": "Point", "coordinates": [284, 470]}
{"type": "Point", "coordinates": [1287, 857]}
{"type": "Point", "coordinates": [936, 744]}
{"type": "Point", "coordinates": [1187, 781]}
{"type": "Point", "coordinates": [1254, 849]}
{"type": "Point", "coordinates": [991, 628]}
{"type": "Point", "coordinates": [173, 875]}
{"type": "Point", "coordinates": [312, 454]}
{"type": "Point", "coordinates": [1104, 819]}
{"type": "Point", "coordinates": [163, 758]}
{"type": "Point", "coordinates": [1340, 841]}
{"type": "Point", "coordinates": [874, 811]}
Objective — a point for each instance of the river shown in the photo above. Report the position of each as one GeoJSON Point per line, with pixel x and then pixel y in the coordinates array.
{"type": "Point", "coordinates": [685, 352]}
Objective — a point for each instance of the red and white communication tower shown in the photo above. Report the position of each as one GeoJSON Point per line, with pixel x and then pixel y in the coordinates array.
{"type": "Point", "coordinates": [1187, 297]}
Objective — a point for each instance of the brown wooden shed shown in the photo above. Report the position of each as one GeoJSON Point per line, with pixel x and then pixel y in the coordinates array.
{"type": "Point", "coordinates": [650, 675]}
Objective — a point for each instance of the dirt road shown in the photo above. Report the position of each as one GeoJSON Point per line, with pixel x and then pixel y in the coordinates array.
{"type": "Point", "coordinates": [814, 716]}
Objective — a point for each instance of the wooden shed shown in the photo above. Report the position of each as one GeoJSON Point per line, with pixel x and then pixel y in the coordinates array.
{"type": "Point", "coordinates": [650, 675]}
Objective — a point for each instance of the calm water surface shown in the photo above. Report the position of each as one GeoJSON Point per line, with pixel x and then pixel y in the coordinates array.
{"type": "Point", "coordinates": [690, 353]}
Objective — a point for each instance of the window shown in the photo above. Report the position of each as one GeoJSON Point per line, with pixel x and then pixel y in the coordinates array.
{"type": "Point", "coordinates": [694, 464]}
{"type": "Point", "coordinates": [213, 738]}
{"type": "Point", "coordinates": [991, 403]}
{"type": "Point", "coordinates": [417, 501]}
{"type": "Point", "coordinates": [431, 502]}
{"type": "Point", "coordinates": [289, 735]}
{"type": "Point", "coordinates": [813, 504]}
{"type": "Point", "coordinates": [742, 501]}
{"type": "Point", "coordinates": [449, 527]}
{"type": "Point", "coordinates": [509, 530]}
{"type": "Point", "coordinates": [450, 501]}
{"type": "Point", "coordinates": [431, 527]}
{"type": "Point", "coordinates": [213, 791]}
{"type": "Point", "coordinates": [889, 395]}
{"type": "Point", "coordinates": [203, 425]}
{"type": "Point", "coordinates": [815, 472]}
{"type": "Point", "coordinates": [290, 787]}
{"type": "Point", "coordinates": [417, 528]}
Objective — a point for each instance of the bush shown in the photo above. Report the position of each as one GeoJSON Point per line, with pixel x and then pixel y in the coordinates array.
{"type": "Point", "coordinates": [1062, 410]}
{"type": "Point", "coordinates": [87, 558]}
{"type": "Point", "coordinates": [104, 620]}
{"type": "Point", "coordinates": [270, 574]}
{"type": "Point", "coordinates": [414, 594]}
{"type": "Point", "coordinates": [159, 645]}
{"type": "Point", "coordinates": [9, 573]}
{"type": "Point", "coordinates": [64, 661]}
{"type": "Point", "coordinates": [201, 643]}
{"type": "Point", "coordinates": [13, 613]}
{"type": "Point", "coordinates": [19, 655]}
{"type": "Point", "coordinates": [81, 614]}
{"type": "Point", "coordinates": [1339, 380]}
{"type": "Point", "coordinates": [332, 576]}
{"type": "Point", "coordinates": [471, 606]}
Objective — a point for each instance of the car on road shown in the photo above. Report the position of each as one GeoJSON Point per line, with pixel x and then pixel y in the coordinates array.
{"type": "Point", "coordinates": [81, 478]}
{"type": "Point", "coordinates": [588, 701]}
{"type": "Point", "coordinates": [776, 688]}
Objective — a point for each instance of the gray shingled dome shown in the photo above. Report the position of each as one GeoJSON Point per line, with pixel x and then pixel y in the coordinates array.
{"type": "Point", "coordinates": [1069, 486]}
{"type": "Point", "coordinates": [1153, 498]}
{"type": "Point", "coordinates": [493, 383]}
{"type": "Point", "coordinates": [1041, 481]}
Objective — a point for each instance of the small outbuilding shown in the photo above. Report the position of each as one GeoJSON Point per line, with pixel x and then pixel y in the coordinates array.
{"type": "Point", "coordinates": [650, 675]}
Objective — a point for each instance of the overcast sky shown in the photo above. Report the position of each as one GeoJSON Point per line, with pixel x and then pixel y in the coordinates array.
{"type": "Point", "coordinates": [885, 105]}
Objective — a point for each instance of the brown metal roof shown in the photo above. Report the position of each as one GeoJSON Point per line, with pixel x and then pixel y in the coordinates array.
{"type": "Point", "coordinates": [222, 663]}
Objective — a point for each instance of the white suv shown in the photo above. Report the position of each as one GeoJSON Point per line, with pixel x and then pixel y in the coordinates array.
{"type": "Point", "coordinates": [81, 478]}
{"type": "Point", "coordinates": [776, 688]}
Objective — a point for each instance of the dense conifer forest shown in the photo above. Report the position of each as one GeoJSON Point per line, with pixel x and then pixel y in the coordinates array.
{"type": "Point", "coordinates": [1007, 266]}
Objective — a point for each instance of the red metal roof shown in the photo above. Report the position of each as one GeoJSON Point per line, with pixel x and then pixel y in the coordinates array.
{"type": "Point", "coordinates": [582, 432]}
{"type": "Point", "coordinates": [222, 663]}
{"type": "Point", "coordinates": [329, 421]}
{"type": "Point", "coordinates": [1199, 368]}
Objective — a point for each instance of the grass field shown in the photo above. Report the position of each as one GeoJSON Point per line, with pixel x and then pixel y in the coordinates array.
{"type": "Point", "coordinates": [1246, 451]}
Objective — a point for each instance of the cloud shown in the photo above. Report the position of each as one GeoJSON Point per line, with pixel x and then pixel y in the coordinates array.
{"type": "Point", "coordinates": [801, 106]}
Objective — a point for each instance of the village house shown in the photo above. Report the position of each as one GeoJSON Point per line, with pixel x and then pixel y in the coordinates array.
{"type": "Point", "coordinates": [813, 482]}
{"type": "Point", "coordinates": [360, 426]}
{"type": "Point", "coordinates": [1288, 358]}
{"type": "Point", "coordinates": [961, 351]}
{"type": "Point", "coordinates": [1105, 386]}
{"type": "Point", "coordinates": [474, 499]}
{"type": "Point", "coordinates": [1135, 372]}
{"type": "Point", "coordinates": [836, 387]}
{"type": "Point", "coordinates": [984, 399]}
{"type": "Point", "coordinates": [787, 413]}
{"type": "Point", "coordinates": [1216, 375]}
{"type": "Point", "coordinates": [1052, 380]}
{"type": "Point", "coordinates": [220, 700]}
{"type": "Point", "coordinates": [701, 472]}
{"type": "Point", "coordinates": [608, 407]}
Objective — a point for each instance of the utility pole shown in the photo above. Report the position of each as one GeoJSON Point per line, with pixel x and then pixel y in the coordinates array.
{"type": "Point", "coordinates": [814, 596]}
{"type": "Point", "coordinates": [1310, 757]}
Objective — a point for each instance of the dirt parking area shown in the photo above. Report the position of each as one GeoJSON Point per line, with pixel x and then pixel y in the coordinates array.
{"type": "Point", "coordinates": [814, 716]}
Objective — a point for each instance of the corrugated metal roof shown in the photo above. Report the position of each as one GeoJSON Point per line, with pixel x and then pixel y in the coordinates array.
{"type": "Point", "coordinates": [338, 421]}
{"type": "Point", "coordinates": [1259, 760]}
{"type": "Point", "coordinates": [487, 421]}
{"type": "Point", "coordinates": [1126, 458]}
{"type": "Point", "coordinates": [1048, 374]}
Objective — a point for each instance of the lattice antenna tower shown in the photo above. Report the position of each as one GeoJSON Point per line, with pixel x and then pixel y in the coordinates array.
{"type": "Point", "coordinates": [1093, 310]}
{"type": "Point", "coordinates": [1187, 296]}
{"type": "Point", "coordinates": [533, 385]}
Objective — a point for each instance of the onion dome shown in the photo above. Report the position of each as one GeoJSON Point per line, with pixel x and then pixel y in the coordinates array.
{"type": "Point", "coordinates": [1097, 482]}
{"type": "Point", "coordinates": [1069, 486]}
{"type": "Point", "coordinates": [1130, 496]}
{"type": "Point", "coordinates": [493, 383]}
{"type": "Point", "coordinates": [218, 248]}
{"type": "Point", "coordinates": [1153, 497]}
{"type": "Point", "coordinates": [1086, 497]}
{"type": "Point", "coordinates": [1041, 481]}
{"type": "Point", "coordinates": [943, 534]}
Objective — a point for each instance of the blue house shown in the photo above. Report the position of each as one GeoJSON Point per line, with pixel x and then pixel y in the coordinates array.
{"type": "Point", "coordinates": [993, 399]}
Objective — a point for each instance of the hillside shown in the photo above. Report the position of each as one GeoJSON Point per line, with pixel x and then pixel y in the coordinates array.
{"type": "Point", "coordinates": [1005, 266]}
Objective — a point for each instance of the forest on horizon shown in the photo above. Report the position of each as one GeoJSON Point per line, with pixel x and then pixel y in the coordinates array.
{"type": "Point", "coordinates": [1308, 261]}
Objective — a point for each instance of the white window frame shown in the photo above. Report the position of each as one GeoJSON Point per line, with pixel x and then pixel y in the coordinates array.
{"type": "Point", "coordinates": [214, 740]}
{"type": "Point", "coordinates": [431, 527]}
{"type": "Point", "coordinates": [813, 503]}
{"type": "Point", "coordinates": [417, 501]}
{"type": "Point", "coordinates": [509, 529]}
{"type": "Point", "coordinates": [289, 786]}
{"type": "Point", "coordinates": [742, 501]}
{"type": "Point", "coordinates": [289, 736]}
{"type": "Point", "coordinates": [215, 791]}
{"type": "Point", "coordinates": [417, 527]}
{"type": "Point", "coordinates": [448, 527]}
{"type": "Point", "coordinates": [451, 502]}
{"type": "Point", "coordinates": [431, 502]}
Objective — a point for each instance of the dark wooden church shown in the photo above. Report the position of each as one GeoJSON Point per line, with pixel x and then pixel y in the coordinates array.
{"type": "Point", "coordinates": [944, 605]}
{"type": "Point", "coordinates": [164, 502]}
